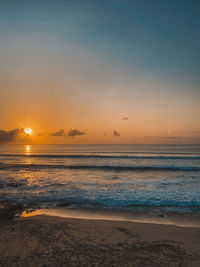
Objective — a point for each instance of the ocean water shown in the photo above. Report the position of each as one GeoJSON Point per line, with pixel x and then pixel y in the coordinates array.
{"type": "Point", "coordinates": [111, 177]}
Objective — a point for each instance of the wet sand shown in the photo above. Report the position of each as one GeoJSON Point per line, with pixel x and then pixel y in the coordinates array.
{"type": "Point", "coordinates": [53, 241]}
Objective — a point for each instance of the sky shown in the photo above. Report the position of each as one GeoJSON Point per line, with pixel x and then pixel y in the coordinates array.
{"type": "Point", "coordinates": [100, 71]}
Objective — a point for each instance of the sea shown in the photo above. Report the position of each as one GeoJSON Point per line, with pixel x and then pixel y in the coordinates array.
{"type": "Point", "coordinates": [139, 179]}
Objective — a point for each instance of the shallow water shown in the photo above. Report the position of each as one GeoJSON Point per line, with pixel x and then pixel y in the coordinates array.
{"type": "Point", "coordinates": [138, 178]}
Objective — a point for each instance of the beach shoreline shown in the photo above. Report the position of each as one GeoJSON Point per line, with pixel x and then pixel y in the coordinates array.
{"type": "Point", "coordinates": [191, 219]}
{"type": "Point", "coordinates": [54, 241]}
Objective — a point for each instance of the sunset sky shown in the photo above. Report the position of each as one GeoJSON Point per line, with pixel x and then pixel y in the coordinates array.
{"type": "Point", "coordinates": [100, 71]}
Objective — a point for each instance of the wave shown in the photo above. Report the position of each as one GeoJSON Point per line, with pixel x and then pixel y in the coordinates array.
{"type": "Point", "coordinates": [95, 204]}
{"type": "Point", "coordinates": [98, 167]}
{"type": "Point", "coordinates": [80, 156]}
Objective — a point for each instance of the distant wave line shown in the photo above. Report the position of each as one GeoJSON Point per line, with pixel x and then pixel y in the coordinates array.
{"type": "Point", "coordinates": [80, 156]}
{"type": "Point", "coordinates": [98, 167]}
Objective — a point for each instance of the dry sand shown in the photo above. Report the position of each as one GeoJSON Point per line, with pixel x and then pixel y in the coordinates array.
{"type": "Point", "coordinates": [52, 241]}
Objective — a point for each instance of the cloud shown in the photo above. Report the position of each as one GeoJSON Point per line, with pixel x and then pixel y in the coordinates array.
{"type": "Point", "coordinates": [61, 132]}
{"type": "Point", "coordinates": [125, 118]}
{"type": "Point", "coordinates": [70, 133]}
{"type": "Point", "coordinates": [116, 133]}
{"type": "Point", "coordinates": [12, 135]}
{"type": "Point", "coordinates": [75, 132]}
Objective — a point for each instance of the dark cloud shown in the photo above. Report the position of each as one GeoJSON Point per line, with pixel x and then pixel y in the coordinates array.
{"type": "Point", "coordinates": [125, 118]}
{"type": "Point", "coordinates": [75, 132]}
{"type": "Point", "coordinates": [12, 135]}
{"type": "Point", "coordinates": [116, 133]}
{"type": "Point", "coordinates": [70, 133]}
{"type": "Point", "coordinates": [61, 132]}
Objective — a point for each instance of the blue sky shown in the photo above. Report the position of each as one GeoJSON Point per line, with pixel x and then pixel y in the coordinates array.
{"type": "Point", "coordinates": [155, 36]}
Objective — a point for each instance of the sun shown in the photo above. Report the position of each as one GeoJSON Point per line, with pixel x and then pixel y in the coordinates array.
{"type": "Point", "coordinates": [28, 131]}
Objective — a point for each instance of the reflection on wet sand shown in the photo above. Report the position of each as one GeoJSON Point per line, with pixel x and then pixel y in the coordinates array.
{"type": "Point", "coordinates": [190, 220]}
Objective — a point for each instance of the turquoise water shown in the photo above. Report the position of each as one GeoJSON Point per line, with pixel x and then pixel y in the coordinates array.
{"type": "Point", "coordinates": [126, 177]}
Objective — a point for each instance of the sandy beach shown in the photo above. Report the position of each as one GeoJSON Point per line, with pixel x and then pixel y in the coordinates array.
{"type": "Point", "coordinates": [53, 241]}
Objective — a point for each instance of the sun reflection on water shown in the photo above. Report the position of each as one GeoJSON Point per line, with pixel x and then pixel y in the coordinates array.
{"type": "Point", "coordinates": [27, 150]}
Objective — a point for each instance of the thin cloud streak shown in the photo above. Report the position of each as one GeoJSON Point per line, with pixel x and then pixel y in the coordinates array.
{"type": "Point", "coordinates": [75, 132]}
{"type": "Point", "coordinates": [70, 133]}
